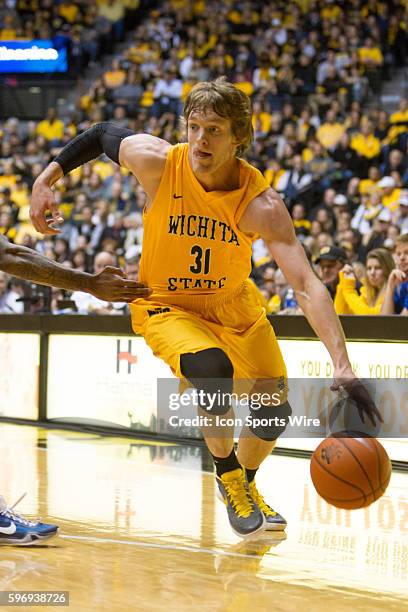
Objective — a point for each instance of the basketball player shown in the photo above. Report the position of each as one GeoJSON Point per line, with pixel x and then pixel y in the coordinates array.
{"type": "Point", "coordinates": [111, 285]}
{"type": "Point", "coordinates": [205, 205]}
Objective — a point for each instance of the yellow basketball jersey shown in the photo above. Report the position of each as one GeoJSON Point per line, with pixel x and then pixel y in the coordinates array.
{"type": "Point", "coordinates": [191, 242]}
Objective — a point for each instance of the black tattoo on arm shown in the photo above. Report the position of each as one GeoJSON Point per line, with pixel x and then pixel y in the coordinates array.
{"type": "Point", "coordinates": [27, 264]}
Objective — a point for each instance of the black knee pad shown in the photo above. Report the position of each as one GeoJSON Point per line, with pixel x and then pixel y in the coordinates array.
{"type": "Point", "coordinates": [211, 372]}
{"type": "Point", "coordinates": [210, 363]}
{"type": "Point", "coordinates": [269, 422]}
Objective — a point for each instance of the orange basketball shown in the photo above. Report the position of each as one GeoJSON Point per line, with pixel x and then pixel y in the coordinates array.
{"type": "Point", "coordinates": [350, 473]}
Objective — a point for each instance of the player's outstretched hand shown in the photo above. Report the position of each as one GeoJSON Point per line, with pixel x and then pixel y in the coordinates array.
{"type": "Point", "coordinates": [112, 285]}
{"type": "Point", "coordinates": [359, 394]}
{"type": "Point", "coordinates": [43, 202]}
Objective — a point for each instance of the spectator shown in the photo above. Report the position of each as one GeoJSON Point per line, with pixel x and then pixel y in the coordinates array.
{"type": "Point", "coordinates": [330, 260]}
{"type": "Point", "coordinates": [167, 95]}
{"type": "Point", "coordinates": [8, 298]}
{"type": "Point", "coordinates": [325, 216]}
{"type": "Point", "coordinates": [301, 224]}
{"type": "Point", "coordinates": [82, 225]}
{"type": "Point", "coordinates": [394, 163]}
{"type": "Point", "coordinates": [305, 76]}
{"type": "Point", "coordinates": [396, 295]}
{"type": "Point", "coordinates": [80, 260]}
{"type": "Point", "coordinates": [332, 88]}
{"type": "Point", "coordinates": [371, 58]}
{"type": "Point", "coordinates": [276, 175]}
{"type": "Point", "coordinates": [370, 184]}
{"type": "Point", "coordinates": [7, 225]}
{"type": "Point", "coordinates": [367, 146]}
{"type": "Point", "coordinates": [51, 128]}
{"type": "Point", "coordinates": [114, 12]}
{"type": "Point", "coordinates": [399, 121]}
{"type": "Point", "coordinates": [129, 94]}
{"type": "Point", "coordinates": [390, 193]}
{"type": "Point", "coordinates": [114, 77]}
{"type": "Point", "coordinates": [89, 304]}
{"type": "Point", "coordinates": [369, 207]}
{"type": "Point", "coordinates": [102, 223]}
{"type": "Point", "coordinates": [61, 250]}
{"type": "Point", "coordinates": [281, 288]}
{"type": "Point", "coordinates": [345, 157]}
{"type": "Point", "coordinates": [93, 188]}
{"type": "Point", "coordinates": [331, 131]}
{"type": "Point", "coordinates": [369, 299]}
{"type": "Point", "coordinates": [321, 165]}
{"type": "Point", "coordinates": [296, 180]}
{"type": "Point", "coordinates": [264, 73]}
{"type": "Point", "coordinates": [132, 267]}
{"type": "Point", "coordinates": [324, 239]}
{"type": "Point", "coordinates": [402, 216]}
{"type": "Point", "coordinates": [261, 120]}
{"type": "Point", "coordinates": [374, 239]}
{"type": "Point", "coordinates": [350, 242]}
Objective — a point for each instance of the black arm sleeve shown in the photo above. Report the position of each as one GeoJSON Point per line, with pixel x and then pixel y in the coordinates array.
{"type": "Point", "coordinates": [101, 138]}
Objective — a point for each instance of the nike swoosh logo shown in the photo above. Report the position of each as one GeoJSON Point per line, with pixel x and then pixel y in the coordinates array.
{"type": "Point", "coordinates": [176, 197]}
{"type": "Point", "coordinates": [9, 530]}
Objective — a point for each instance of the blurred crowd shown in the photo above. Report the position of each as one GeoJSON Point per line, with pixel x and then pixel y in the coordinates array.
{"type": "Point", "coordinates": [312, 69]}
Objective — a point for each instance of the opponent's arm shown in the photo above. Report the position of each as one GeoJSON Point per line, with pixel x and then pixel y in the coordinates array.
{"type": "Point", "coordinates": [140, 153]}
{"type": "Point", "coordinates": [111, 284]}
{"type": "Point", "coordinates": [267, 215]}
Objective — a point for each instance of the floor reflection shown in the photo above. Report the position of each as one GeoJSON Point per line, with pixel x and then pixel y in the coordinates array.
{"type": "Point", "coordinates": [141, 529]}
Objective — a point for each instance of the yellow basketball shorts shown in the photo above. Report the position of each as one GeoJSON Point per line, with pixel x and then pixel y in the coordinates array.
{"type": "Point", "coordinates": [235, 323]}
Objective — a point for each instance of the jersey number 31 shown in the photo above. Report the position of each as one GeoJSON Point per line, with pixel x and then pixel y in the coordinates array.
{"type": "Point", "coordinates": [200, 255]}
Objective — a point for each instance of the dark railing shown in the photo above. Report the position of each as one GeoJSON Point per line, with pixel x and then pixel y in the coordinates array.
{"type": "Point", "coordinates": [390, 329]}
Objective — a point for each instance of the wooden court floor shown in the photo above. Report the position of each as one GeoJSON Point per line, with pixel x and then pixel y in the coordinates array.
{"type": "Point", "coordinates": [141, 529]}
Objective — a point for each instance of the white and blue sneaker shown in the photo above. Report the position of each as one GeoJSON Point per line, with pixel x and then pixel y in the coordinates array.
{"type": "Point", "coordinates": [18, 531]}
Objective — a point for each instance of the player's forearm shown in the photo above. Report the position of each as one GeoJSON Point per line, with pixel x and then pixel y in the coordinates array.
{"type": "Point", "coordinates": [25, 263]}
{"type": "Point", "coordinates": [49, 176]}
{"type": "Point", "coordinates": [318, 308]}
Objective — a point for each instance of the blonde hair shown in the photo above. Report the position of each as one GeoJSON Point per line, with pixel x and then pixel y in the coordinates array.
{"type": "Point", "coordinates": [401, 239]}
{"type": "Point", "coordinates": [224, 99]}
{"type": "Point", "coordinates": [387, 265]}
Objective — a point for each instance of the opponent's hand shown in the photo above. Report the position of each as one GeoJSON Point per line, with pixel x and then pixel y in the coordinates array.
{"type": "Point", "coordinates": [112, 285]}
{"type": "Point", "coordinates": [395, 278]}
{"type": "Point", "coordinates": [358, 393]}
{"type": "Point", "coordinates": [43, 201]}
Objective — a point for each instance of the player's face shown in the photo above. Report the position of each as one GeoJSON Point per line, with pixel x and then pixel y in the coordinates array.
{"type": "Point", "coordinates": [401, 257]}
{"type": "Point", "coordinates": [375, 273]}
{"type": "Point", "coordinates": [211, 142]}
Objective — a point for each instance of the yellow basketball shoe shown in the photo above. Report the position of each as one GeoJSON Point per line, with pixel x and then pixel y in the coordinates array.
{"type": "Point", "coordinates": [274, 521]}
{"type": "Point", "coordinates": [243, 513]}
